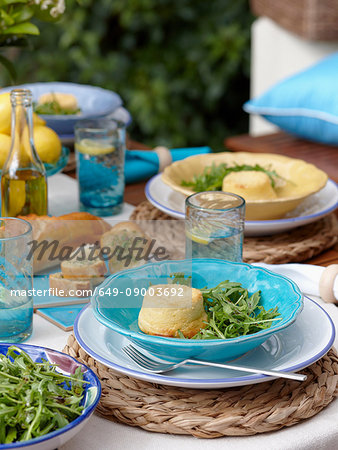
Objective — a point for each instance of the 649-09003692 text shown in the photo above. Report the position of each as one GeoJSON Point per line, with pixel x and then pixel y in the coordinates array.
{"type": "Point", "coordinates": [129, 292]}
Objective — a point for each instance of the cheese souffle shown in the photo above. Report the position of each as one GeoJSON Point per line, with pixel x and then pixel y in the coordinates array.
{"type": "Point", "coordinates": [249, 184]}
{"type": "Point", "coordinates": [167, 315]}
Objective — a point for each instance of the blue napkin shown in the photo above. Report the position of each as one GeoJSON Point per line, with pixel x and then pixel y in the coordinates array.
{"type": "Point", "coordinates": [143, 164]}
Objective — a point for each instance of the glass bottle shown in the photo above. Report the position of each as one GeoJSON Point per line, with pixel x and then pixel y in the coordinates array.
{"type": "Point", "coordinates": [23, 178]}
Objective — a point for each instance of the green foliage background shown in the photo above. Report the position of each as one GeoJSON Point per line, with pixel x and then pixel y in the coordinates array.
{"type": "Point", "coordinates": [181, 66]}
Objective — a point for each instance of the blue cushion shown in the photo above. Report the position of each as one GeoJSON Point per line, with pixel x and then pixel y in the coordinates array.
{"type": "Point", "coordinates": [305, 104]}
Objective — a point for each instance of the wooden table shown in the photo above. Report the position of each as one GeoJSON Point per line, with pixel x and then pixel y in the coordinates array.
{"type": "Point", "coordinates": [319, 155]}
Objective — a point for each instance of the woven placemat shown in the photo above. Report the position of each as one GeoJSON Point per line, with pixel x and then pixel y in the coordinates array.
{"type": "Point", "coordinates": [295, 245]}
{"type": "Point", "coordinates": [242, 411]}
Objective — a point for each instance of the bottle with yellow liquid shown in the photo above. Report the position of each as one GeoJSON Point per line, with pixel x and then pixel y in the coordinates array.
{"type": "Point", "coordinates": [23, 178]}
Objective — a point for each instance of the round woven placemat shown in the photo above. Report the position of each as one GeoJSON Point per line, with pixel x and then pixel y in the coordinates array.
{"type": "Point", "coordinates": [241, 411]}
{"type": "Point", "coordinates": [295, 245]}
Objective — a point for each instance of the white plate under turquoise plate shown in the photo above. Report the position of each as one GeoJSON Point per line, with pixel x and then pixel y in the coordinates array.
{"type": "Point", "coordinates": [313, 208]}
{"type": "Point", "coordinates": [298, 346]}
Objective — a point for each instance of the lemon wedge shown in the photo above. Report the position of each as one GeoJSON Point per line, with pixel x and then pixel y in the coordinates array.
{"type": "Point", "coordinates": [94, 147]}
{"type": "Point", "coordinates": [199, 239]}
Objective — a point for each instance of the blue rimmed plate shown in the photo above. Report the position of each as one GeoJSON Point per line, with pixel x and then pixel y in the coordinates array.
{"type": "Point", "coordinates": [310, 210]}
{"type": "Point", "coordinates": [292, 349]}
{"type": "Point", "coordinates": [67, 366]}
{"type": "Point", "coordinates": [93, 101]}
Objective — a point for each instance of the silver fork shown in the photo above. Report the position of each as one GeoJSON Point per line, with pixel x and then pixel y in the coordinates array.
{"type": "Point", "coordinates": [154, 366]}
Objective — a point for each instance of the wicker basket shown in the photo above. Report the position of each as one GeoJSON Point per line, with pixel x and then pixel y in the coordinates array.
{"type": "Point", "coordinates": [311, 19]}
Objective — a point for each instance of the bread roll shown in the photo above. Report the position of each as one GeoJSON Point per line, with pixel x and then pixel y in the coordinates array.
{"type": "Point", "coordinates": [67, 287]}
{"type": "Point", "coordinates": [84, 262]}
{"type": "Point", "coordinates": [51, 235]}
{"type": "Point", "coordinates": [119, 240]}
{"type": "Point", "coordinates": [66, 101]}
{"type": "Point", "coordinates": [165, 315]}
{"type": "Point", "coordinates": [250, 185]}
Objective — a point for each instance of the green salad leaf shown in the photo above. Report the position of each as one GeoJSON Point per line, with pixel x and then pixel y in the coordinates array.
{"type": "Point", "coordinates": [34, 398]}
{"type": "Point", "coordinates": [54, 108]}
{"type": "Point", "coordinates": [211, 179]}
{"type": "Point", "coordinates": [179, 278]}
{"type": "Point", "coordinates": [233, 312]}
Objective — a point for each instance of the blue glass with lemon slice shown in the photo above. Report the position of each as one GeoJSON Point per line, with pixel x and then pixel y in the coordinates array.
{"type": "Point", "coordinates": [100, 148]}
{"type": "Point", "coordinates": [214, 225]}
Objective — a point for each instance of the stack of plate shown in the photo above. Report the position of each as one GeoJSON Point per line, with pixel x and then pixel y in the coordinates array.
{"type": "Point", "coordinates": [306, 337]}
{"type": "Point", "coordinates": [165, 193]}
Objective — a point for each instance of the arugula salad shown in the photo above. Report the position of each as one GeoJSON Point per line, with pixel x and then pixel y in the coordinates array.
{"type": "Point", "coordinates": [34, 398]}
{"type": "Point", "coordinates": [211, 178]}
{"type": "Point", "coordinates": [231, 310]}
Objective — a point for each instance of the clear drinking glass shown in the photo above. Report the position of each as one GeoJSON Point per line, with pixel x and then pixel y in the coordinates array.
{"type": "Point", "coordinates": [214, 225]}
{"type": "Point", "coordinates": [100, 148]}
{"type": "Point", "coordinates": [16, 272]}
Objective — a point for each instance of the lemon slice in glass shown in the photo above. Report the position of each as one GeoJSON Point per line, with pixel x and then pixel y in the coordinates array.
{"type": "Point", "coordinates": [198, 238]}
{"type": "Point", "coordinates": [94, 147]}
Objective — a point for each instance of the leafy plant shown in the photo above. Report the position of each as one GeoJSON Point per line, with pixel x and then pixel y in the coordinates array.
{"type": "Point", "coordinates": [181, 66]}
{"type": "Point", "coordinates": [16, 23]}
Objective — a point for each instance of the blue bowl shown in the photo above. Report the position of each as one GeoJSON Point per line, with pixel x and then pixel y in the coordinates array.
{"type": "Point", "coordinates": [93, 101]}
{"type": "Point", "coordinates": [92, 392]}
{"type": "Point", "coordinates": [118, 300]}
{"type": "Point", "coordinates": [52, 169]}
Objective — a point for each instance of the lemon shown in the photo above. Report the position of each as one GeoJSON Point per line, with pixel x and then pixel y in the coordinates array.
{"type": "Point", "coordinates": [17, 196]}
{"type": "Point", "coordinates": [47, 143]}
{"type": "Point", "coordinates": [199, 239]}
{"type": "Point", "coordinates": [5, 113]}
{"type": "Point", "coordinates": [5, 145]}
{"type": "Point", "coordinates": [37, 120]}
{"type": "Point", "coordinates": [94, 147]}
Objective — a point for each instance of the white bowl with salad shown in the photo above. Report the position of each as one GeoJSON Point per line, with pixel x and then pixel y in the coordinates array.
{"type": "Point", "coordinates": [62, 104]}
{"type": "Point", "coordinates": [46, 397]}
{"type": "Point", "coordinates": [271, 184]}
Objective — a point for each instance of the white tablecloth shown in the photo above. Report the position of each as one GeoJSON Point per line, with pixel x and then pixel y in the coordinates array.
{"type": "Point", "coordinates": [319, 432]}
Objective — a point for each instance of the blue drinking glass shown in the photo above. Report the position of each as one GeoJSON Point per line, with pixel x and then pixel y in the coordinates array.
{"type": "Point", "coordinates": [16, 275]}
{"type": "Point", "coordinates": [100, 150]}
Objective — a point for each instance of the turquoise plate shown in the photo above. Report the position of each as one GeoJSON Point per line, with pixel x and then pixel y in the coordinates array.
{"type": "Point", "coordinates": [120, 312]}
